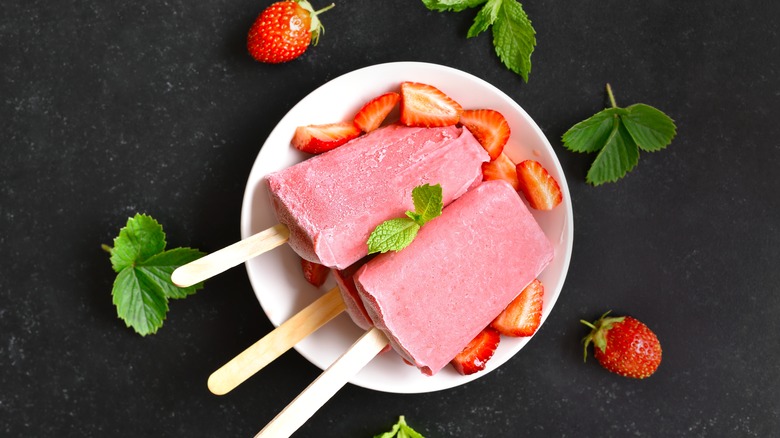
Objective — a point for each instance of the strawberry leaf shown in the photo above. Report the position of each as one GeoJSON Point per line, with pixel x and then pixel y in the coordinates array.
{"type": "Point", "coordinates": [617, 134]}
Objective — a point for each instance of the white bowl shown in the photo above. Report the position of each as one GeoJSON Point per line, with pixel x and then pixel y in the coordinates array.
{"type": "Point", "coordinates": [276, 276]}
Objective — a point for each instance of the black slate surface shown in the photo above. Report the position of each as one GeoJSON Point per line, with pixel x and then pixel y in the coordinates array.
{"type": "Point", "coordinates": [111, 108]}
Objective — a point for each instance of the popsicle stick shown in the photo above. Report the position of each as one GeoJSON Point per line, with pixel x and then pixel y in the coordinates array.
{"type": "Point", "coordinates": [326, 385]}
{"type": "Point", "coordinates": [275, 343]}
{"type": "Point", "coordinates": [230, 256]}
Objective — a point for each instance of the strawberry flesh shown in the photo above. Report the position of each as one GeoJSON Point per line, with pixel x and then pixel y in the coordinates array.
{"type": "Point", "coordinates": [427, 106]}
{"type": "Point", "coordinates": [314, 273]}
{"type": "Point", "coordinates": [474, 357]}
{"type": "Point", "coordinates": [501, 168]}
{"type": "Point", "coordinates": [489, 127]}
{"type": "Point", "coordinates": [375, 111]}
{"type": "Point", "coordinates": [523, 315]}
{"type": "Point", "coordinates": [539, 187]}
{"type": "Point", "coordinates": [316, 139]}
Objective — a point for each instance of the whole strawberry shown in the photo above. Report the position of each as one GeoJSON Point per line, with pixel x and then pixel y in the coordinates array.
{"type": "Point", "coordinates": [624, 345]}
{"type": "Point", "coordinates": [284, 30]}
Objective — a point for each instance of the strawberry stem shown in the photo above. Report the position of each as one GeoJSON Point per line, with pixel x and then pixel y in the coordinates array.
{"type": "Point", "coordinates": [611, 98]}
{"type": "Point", "coordinates": [326, 8]}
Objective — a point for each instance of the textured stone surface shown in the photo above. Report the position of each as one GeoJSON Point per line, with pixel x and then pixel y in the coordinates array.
{"type": "Point", "coordinates": [111, 108]}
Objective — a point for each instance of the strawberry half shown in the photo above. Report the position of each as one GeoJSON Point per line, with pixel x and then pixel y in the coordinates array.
{"type": "Point", "coordinates": [539, 187]}
{"type": "Point", "coordinates": [524, 314]}
{"type": "Point", "coordinates": [474, 357]}
{"type": "Point", "coordinates": [426, 105]}
{"type": "Point", "coordinates": [624, 345]}
{"type": "Point", "coordinates": [489, 127]}
{"type": "Point", "coordinates": [501, 168]}
{"type": "Point", "coordinates": [374, 112]}
{"type": "Point", "coordinates": [314, 273]}
{"type": "Point", "coordinates": [316, 139]}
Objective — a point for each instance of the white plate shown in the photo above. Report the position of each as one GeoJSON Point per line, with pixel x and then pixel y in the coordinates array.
{"type": "Point", "coordinates": [276, 276]}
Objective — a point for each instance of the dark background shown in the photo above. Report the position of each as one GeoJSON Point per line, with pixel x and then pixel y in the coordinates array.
{"type": "Point", "coordinates": [111, 108]}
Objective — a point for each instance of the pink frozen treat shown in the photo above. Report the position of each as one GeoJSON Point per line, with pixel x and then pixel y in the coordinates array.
{"type": "Point", "coordinates": [463, 268]}
{"type": "Point", "coordinates": [333, 201]}
{"type": "Point", "coordinates": [352, 302]}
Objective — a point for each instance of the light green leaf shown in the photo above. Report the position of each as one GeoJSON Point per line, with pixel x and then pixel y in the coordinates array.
{"type": "Point", "coordinates": [427, 201]}
{"type": "Point", "coordinates": [451, 5]}
{"type": "Point", "coordinates": [485, 18]}
{"type": "Point", "coordinates": [392, 235]}
{"type": "Point", "coordinates": [651, 129]}
{"type": "Point", "coordinates": [514, 38]}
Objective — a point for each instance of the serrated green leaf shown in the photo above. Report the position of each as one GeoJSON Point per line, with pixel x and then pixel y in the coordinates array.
{"type": "Point", "coordinates": [619, 155]}
{"type": "Point", "coordinates": [140, 239]}
{"type": "Point", "coordinates": [514, 38]}
{"type": "Point", "coordinates": [427, 201]}
{"type": "Point", "coordinates": [160, 267]}
{"type": "Point", "coordinates": [485, 18]}
{"type": "Point", "coordinates": [400, 430]}
{"type": "Point", "coordinates": [392, 235]}
{"type": "Point", "coordinates": [591, 134]}
{"type": "Point", "coordinates": [139, 301]}
{"type": "Point", "coordinates": [651, 129]}
{"type": "Point", "coordinates": [451, 5]}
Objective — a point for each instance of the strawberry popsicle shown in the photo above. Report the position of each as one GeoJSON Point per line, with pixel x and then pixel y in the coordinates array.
{"type": "Point", "coordinates": [463, 268]}
{"type": "Point", "coordinates": [349, 294]}
{"type": "Point", "coordinates": [332, 202]}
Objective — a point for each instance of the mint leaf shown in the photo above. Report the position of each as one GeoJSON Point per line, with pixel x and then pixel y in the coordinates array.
{"type": "Point", "coordinates": [143, 285]}
{"type": "Point", "coordinates": [514, 38]}
{"type": "Point", "coordinates": [397, 234]}
{"type": "Point", "coordinates": [617, 134]}
{"type": "Point", "coordinates": [392, 235]}
{"type": "Point", "coordinates": [428, 202]}
{"type": "Point", "coordinates": [400, 430]}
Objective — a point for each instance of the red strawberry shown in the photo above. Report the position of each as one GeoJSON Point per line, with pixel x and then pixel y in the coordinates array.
{"type": "Point", "coordinates": [284, 30]}
{"type": "Point", "coordinates": [501, 168]}
{"type": "Point", "coordinates": [315, 139]}
{"type": "Point", "coordinates": [314, 273]}
{"type": "Point", "coordinates": [623, 345]}
{"type": "Point", "coordinates": [489, 127]}
{"type": "Point", "coordinates": [524, 314]}
{"type": "Point", "coordinates": [540, 189]}
{"type": "Point", "coordinates": [374, 112]}
{"type": "Point", "coordinates": [474, 357]}
{"type": "Point", "coordinates": [426, 105]}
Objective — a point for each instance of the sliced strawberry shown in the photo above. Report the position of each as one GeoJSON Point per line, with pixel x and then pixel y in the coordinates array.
{"type": "Point", "coordinates": [539, 187]}
{"type": "Point", "coordinates": [375, 111]}
{"type": "Point", "coordinates": [524, 314]}
{"type": "Point", "coordinates": [426, 105]}
{"type": "Point", "coordinates": [489, 127]}
{"type": "Point", "coordinates": [314, 273]}
{"type": "Point", "coordinates": [316, 139]}
{"type": "Point", "coordinates": [474, 357]}
{"type": "Point", "coordinates": [501, 168]}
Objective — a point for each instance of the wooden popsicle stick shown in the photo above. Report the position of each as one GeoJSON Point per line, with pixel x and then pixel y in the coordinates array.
{"type": "Point", "coordinates": [230, 256]}
{"type": "Point", "coordinates": [326, 385]}
{"type": "Point", "coordinates": [275, 343]}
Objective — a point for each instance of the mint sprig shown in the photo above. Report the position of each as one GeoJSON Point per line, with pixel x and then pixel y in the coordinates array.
{"type": "Point", "coordinates": [618, 134]}
{"type": "Point", "coordinates": [514, 38]}
{"type": "Point", "coordinates": [400, 430]}
{"type": "Point", "coordinates": [143, 283]}
{"type": "Point", "coordinates": [397, 234]}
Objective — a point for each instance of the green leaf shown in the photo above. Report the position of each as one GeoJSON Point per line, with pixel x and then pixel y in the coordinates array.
{"type": "Point", "coordinates": [514, 38]}
{"type": "Point", "coordinates": [139, 301]}
{"type": "Point", "coordinates": [485, 18]}
{"type": "Point", "coordinates": [400, 430]}
{"type": "Point", "coordinates": [160, 267]}
{"type": "Point", "coordinates": [619, 155]}
{"type": "Point", "coordinates": [428, 202]}
{"type": "Point", "coordinates": [392, 235]}
{"type": "Point", "coordinates": [451, 5]}
{"type": "Point", "coordinates": [617, 134]}
{"type": "Point", "coordinates": [140, 239]}
{"type": "Point", "coordinates": [651, 129]}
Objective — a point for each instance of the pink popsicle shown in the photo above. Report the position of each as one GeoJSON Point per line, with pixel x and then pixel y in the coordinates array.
{"type": "Point", "coordinates": [465, 266]}
{"type": "Point", "coordinates": [352, 302]}
{"type": "Point", "coordinates": [332, 202]}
